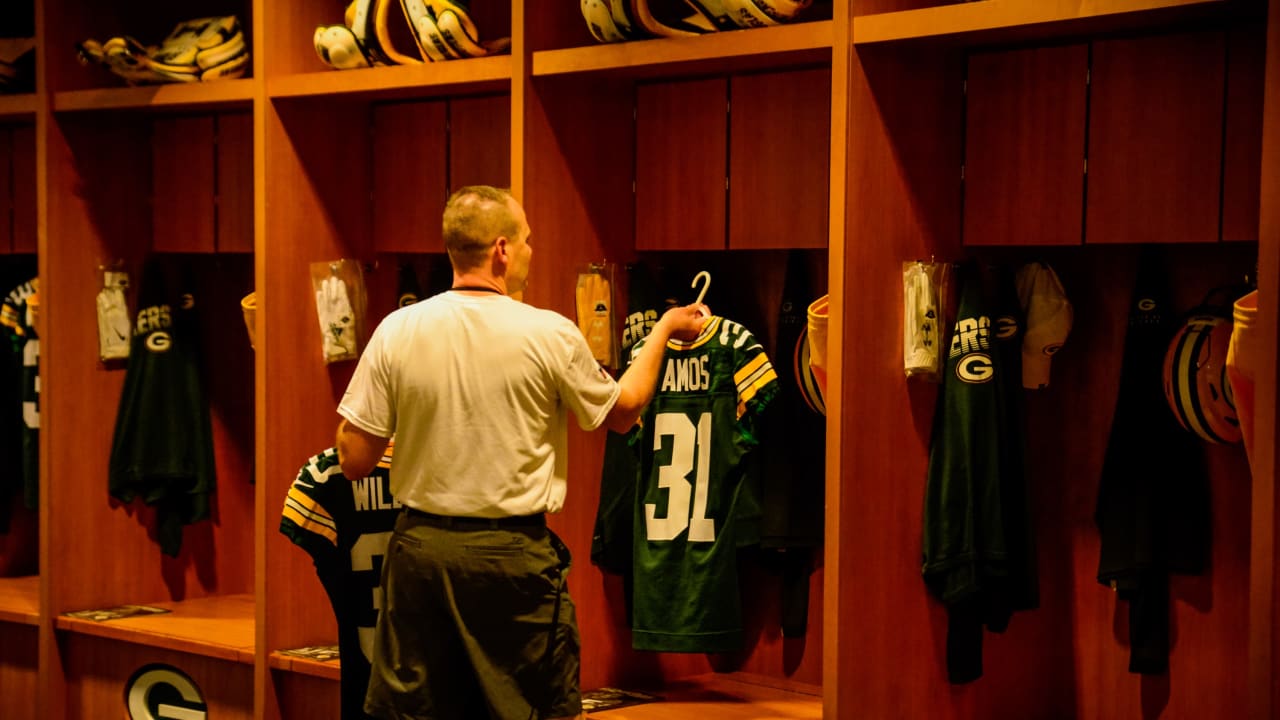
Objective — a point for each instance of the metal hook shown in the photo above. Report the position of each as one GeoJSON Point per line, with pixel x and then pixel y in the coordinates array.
{"type": "Point", "coordinates": [704, 275]}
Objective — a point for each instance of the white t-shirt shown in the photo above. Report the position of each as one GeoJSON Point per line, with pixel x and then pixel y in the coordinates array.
{"type": "Point", "coordinates": [474, 389]}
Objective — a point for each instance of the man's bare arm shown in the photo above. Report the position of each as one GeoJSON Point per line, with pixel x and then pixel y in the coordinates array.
{"type": "Point", "coordinates": [358, 451]}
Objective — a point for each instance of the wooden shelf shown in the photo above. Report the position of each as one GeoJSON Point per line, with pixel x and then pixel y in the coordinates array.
{"type": "Point", "coordinates": [732, 696]}
{"type": "Point", "coordinates": [20, 600]}
{"type": "Point", "coordinates": [781, 46]}
{"type": "Point", "coordinates": [218, 627]}
{"type": "Point", "coordinates": [18, 107]}
{"type": "Point", "coordinates": [185, 96]}
{"type": "Point", "coordinates": [475, 75]}
{"type": "Point", "coordinates": [1006, 20]}
{"type": "Point", "coordinates": [327, 670]}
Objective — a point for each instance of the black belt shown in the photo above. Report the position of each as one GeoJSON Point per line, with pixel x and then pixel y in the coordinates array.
{"type": "Point", "coordinates": [476, 523]}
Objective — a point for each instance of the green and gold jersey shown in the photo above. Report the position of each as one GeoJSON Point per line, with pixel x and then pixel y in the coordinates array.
{"type": "Point", "coordinates": [345, 527]}
{"type": "Point", "coordinates": [692, 440]}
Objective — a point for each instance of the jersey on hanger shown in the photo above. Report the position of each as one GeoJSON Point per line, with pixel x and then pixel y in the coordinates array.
{"type": "Point", "coordinates": [18, 323]}
{"type": "Point", "coordinates": [692, 440]}
{"type": "Point", "coordinates": [345, 527]}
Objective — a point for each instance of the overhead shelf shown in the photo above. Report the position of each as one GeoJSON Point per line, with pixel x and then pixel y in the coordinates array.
{"type": "Point", "coordinates": [20, 600]}
{"type": "Point", "coordinates": [218, 627]}
{"type": "Point", "coordinates": [454, 77]}
{"type": "Point", "coordinates": [772, 47]}
{"type": "Point", "coordinates": [159, 98]}
{"type": "Point", "coordinates": [18, 107]}
{"type": "Point", "coordinates": [1006, 20]}
{"type": "Point", "coordinates": [331, 670]}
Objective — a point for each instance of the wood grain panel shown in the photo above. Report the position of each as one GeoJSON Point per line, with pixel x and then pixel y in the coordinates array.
{"type": "Point", "coordinates": [410, 176]}
{"type": "Point", "coordinates": [1241, 162]}
{"type": "Point", "coordinates": [304, 696]}
{"type": "Point", "coordinates": [1024, 146]}
{"type": "Point", "coordinates": [315, 217]}
{"type": "Point", "coordinates": [24, 189]}
{"type": "Point", "coordinates": [720, 696]}
{"type": "Point", "coordinates": [479, 142]}
{"type": "Point", "coordinates": [234, 171]}
{"type": "Point", "coordinates": [681, 161]}
{"type": "Point", "coordinates": [182, 184]}
{"type": "Point", "coordinates": [1264, 606]}
{"type": "Point", "coordinates": [98, 670]}
{"type": "Point", "coordinates": [1155, 139]}
{"type": "Point", "coordinates": [779, 148]}
{"type": "Point", "coordinates": [6, 190]}
{"type": "Point", "coordinates": [18, 673]}
{"type": "Point", "coordinates": [20, 599]}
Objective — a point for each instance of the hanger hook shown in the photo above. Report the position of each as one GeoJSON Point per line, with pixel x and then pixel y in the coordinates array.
{"type": "Point", "coordinates": [704, 275]}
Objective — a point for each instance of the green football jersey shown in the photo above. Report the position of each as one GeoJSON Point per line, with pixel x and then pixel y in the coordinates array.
{"type": "Point", "coordinates": [692, 440]}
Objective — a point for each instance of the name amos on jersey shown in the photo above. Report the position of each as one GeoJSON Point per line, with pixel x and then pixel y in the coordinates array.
{"type": "Point", "coordinates": [686, 374]}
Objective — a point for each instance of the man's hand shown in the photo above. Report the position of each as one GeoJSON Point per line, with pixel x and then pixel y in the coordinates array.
{"type": "Point", "coordinates": [640, 380]}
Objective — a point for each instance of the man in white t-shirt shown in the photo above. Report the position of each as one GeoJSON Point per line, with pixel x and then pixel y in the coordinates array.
{"type": "Point", "coordinates": [476, 619]}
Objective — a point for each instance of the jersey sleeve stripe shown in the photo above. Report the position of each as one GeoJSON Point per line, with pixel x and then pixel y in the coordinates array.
{"type": "Point", "coordinates": [291, 515]}
{"type": "Point", "coordinates": [747, 374]}
{"type": "Point", "coordinates": [307, 509]}
{"type": "Point", "coordinates": [766, 379]}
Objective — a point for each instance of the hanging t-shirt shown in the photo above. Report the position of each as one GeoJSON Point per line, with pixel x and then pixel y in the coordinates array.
{"type": "Point", "coordinates": [162, 450]}
{"type": "Point", "coordinates": [345, 527]}
{"type": "Point", "coordinates": [692, 441]}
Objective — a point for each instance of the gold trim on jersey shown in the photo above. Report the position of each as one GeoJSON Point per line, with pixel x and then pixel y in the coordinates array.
{"type": "Point", "coordinates": [751, 378]}
{"type": "Point", "coordinates": [708, 331]}
{"type": "Point", "coordinates": [307, 515]}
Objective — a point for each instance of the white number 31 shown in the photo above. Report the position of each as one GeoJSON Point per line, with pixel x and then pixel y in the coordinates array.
{"type": "Point", "coordinates": [687, 442]}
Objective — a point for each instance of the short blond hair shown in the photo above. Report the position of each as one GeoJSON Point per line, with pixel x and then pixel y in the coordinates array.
{"type": "Point", "coordinates": [474, 218]}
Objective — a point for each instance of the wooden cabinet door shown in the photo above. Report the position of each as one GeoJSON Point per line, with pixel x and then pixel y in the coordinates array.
{"type": "Point", "coordinates": [182, 184]}
{"type": "Point", "coordinates": [1155, 139]}
{"type": "Point", "coordinates": [779, 159]}
{"type": "Point", "coordinates": [235, 183]}
{"type": "Point", "coordinates": [681, 161]}
{"type": "Point", "coordinates": [410, 176]}
{"type": "Point", "coordinates": [24, 189]}
{"type": "Point", "coordinates": [1242, 156]}
{"type": "Point", "coordinates": [479, 142]}
{"type": "Point", "coordinates": [8, 193]}
{"type": "Point", "coordinates": [1024, 146]}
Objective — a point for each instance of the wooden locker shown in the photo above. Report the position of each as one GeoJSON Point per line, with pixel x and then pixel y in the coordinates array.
{"type": "Point", "coordinates": [1024, 146]}
{"type": "Point", "coordinates": [779, 151]}
{"type": "Point", "coordinates": [182, 184]}
{"type": "Point", "coordinates": [234, 170]}
{"type": "Point", "coordinates": [410, 177]}
{"type": "Point", "coordinates": [8, 209]}
{"type": "Point", "coordinates": [1155, 139]}
{"type": "Point", "coordinates": [479, 142]}
{"type": "Point", "coordinates": [24, 189]}
{"type": "Point", "coordinates": [681, 157]}
{"type": "Point", "coordinates": [1242, 155]}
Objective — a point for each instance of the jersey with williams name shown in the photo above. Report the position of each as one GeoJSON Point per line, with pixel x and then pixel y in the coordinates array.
{"type": "Point", "coordinates": [345, 526]}
{"type": "Point", "coordinates": [692, 440]}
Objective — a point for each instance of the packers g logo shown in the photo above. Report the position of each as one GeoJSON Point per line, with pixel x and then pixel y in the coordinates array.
{"type": "Point", "coordinates": [975, 368]}
{"type": "Point", "coordinates": [1006, 327]}
{"type": "Point", "coordinates": [1146, 304]}
{"type": "Point", "coordinates": [159, 341]}
{"type": "Point", "coordinates": [163, 692]}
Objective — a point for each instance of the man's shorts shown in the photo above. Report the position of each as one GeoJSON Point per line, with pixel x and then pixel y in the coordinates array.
{"type": "Point", "coordinates": [476, 621]}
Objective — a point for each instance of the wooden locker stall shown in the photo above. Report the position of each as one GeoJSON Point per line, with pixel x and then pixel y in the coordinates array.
{"type": "Point", "coordinates": [128, 172]}
{"type": "Point", "coordinates": [629, 155]}
{"type": "Point", "coordinates": [1068, 658]}
{"type": "Point", "coordinates": [356, 165]}
{"type": "Point", "coordinates": [19, 546]}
